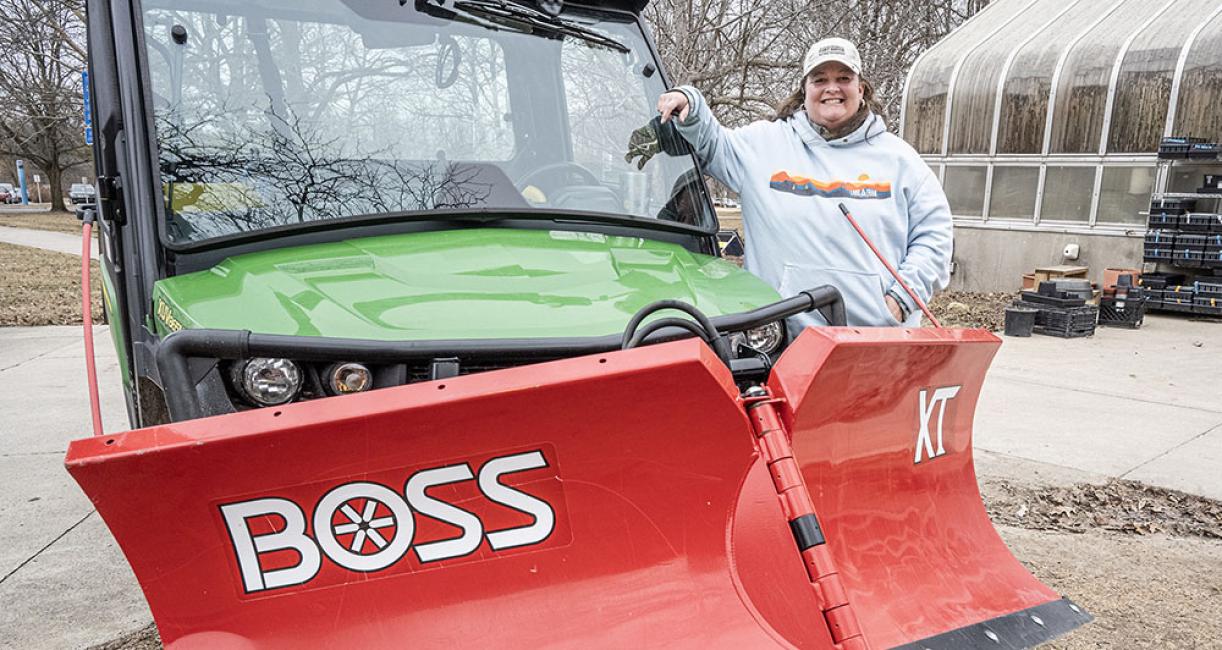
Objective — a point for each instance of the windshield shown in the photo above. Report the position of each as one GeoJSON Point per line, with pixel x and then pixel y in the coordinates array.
{"type": "Point", "coordinates": [272, 113]}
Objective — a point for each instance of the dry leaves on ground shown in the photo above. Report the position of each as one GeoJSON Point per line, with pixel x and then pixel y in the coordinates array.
{"type": "Point", "coordinates": [1118, 505]}
{"type": "Point", "coordinates": [972, 309]}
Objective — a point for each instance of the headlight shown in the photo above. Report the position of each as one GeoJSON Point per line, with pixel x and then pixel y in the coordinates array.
{"type": "Point", "coordinates": [768, 338]}
{"type": "Point", "coordinates": [344, 378]}
{"type": "Point", "coordinates": [267, 382]}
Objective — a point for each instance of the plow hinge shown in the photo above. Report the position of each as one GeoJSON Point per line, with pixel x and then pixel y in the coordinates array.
{"type": "Point", "coordinates": [774, 446]}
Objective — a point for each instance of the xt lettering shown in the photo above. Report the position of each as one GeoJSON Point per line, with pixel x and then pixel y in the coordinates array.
{"type": "Point", "coordinates": [928, 403]}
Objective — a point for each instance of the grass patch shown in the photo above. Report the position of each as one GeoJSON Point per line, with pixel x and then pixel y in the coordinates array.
{"type": "Point", "coordinates": [39, 287]}
{"type": "Point", "coordinates": [54, 221]}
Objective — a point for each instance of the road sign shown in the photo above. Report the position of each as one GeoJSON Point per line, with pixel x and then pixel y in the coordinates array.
{"type": "Point", "coordinates": [37, 178]}
{"type": "Point", "coordinates": [25, 192]}
{"type": "Point", "coordinates": [87, 105]}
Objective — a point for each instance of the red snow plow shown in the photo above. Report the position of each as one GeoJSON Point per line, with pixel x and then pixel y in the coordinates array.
{"type": "Point", "coordinates": [627, 499]}
{"type": "Point", "coordinates": [378, 275]}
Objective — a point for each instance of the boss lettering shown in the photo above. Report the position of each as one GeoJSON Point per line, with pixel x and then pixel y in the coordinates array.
{"type": "Point", "coordinates": [366, 527]}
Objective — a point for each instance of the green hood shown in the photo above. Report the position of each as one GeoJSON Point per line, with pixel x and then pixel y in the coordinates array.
{"type": "Point", "coordinates": [457, 284]}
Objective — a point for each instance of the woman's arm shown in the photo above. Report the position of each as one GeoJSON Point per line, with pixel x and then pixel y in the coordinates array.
{"type": "Point", "coordinates": [926, 264]}
{"type": "Point", "coordinates": [719, 149]}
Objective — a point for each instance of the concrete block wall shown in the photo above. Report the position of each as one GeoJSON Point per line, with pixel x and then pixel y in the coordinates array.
{"type": "Point", "coordinates": [995, 260]}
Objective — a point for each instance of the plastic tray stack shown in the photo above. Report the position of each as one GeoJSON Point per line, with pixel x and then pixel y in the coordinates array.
{"type": "Point", "coordinates": [1204, 150]}
{"type": "Point", "coordinates": [1061, 312]}
{"type": "Point", "coordinates": [1154, 286]}
{"type": "Point", "coordinates": [1177, 146]}
{"type": "Point", "coordinates": [1167, 216]}
{"type": "Point", "coordinates": [1207, 298]}
{"type": "Point", "coordinates": [1179, 298]}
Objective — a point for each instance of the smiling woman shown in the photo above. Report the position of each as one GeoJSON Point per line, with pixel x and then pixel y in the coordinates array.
{"type": "Point", "coordinates": [825, 150]}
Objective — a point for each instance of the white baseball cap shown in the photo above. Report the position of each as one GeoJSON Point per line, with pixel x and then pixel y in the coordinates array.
{"type": "Point", "coordinates": [832, 49]}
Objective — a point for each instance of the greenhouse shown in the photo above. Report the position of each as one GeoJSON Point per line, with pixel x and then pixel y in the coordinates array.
{"type": "Point", "coordinates": [1044, 119]}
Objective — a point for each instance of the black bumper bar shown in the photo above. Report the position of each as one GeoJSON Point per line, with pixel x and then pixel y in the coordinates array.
{"type": "Point", "coordinates": [175, 350]}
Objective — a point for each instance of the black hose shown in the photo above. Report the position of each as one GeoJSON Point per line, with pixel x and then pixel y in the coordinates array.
{"type": "Point", "coordinates": [712, 335]}
{"type": "Point", "coordinates": [656, 325]}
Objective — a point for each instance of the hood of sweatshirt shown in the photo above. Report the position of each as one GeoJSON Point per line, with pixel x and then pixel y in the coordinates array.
{"type": "Point", "coordinates": [801, 124]}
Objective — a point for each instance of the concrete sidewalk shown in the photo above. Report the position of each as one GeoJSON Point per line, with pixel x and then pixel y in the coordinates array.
{"type": "Point", "coordinates": [45, 239]}
{"type": "Point", "coordinates": [63, 581]}
{"type": "Point", "coordinates": [1139, 404]}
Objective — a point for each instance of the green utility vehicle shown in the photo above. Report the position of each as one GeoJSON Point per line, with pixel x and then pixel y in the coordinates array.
{"type": "Point", "coordinates": [329, 196]}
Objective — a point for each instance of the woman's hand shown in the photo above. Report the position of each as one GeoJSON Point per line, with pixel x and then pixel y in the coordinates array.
{"type": "Point", "coordinates": [673, 101]}
{"type": "Point", "coordinates": [894, 308]}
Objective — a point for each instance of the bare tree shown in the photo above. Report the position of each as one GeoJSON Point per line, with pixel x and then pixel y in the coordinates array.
{"type": "Point", "coordinates": [746, 55]}
{"type": "Point", "coordinates": [41, 59]}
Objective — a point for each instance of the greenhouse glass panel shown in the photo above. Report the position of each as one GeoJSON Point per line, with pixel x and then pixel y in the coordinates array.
{"type": "Point", "coordinates": [964, 188]}
{"type": "Point", "coordinates": [1143, 90]}
{"type": "Point", "coordinates": [1077, 116]}
{"type": "Point", "coordinates": [1013, 195]}
{"type": "Point", "coordinates": [1199, 112]}
{"type": "Point", "coordinates": [1067, 192]}
{"type": "Point", "coordinates": [1189, 178]}
{"type": "Point", "coordinates": [972, 103]}
{"type": "Point", "coordinates": [925, 112]}
{"type": "Point", "coordinates": [1024, 100]}
{"type": "Point", "coordinates": [1124, 192]}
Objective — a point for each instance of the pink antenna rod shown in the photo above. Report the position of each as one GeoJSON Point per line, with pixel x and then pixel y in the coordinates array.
{"type": "Point", "coordinates": [895, 274]}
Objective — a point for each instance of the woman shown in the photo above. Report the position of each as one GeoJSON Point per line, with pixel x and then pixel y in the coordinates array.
{"type": "Point", "coordinates": [826, 147]}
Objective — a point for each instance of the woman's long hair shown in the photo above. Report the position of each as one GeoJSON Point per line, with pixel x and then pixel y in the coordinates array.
{"type": "Point", "coordinates": [797, 101]}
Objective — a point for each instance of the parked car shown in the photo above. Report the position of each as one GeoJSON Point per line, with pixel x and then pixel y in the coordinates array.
{"type": "Point", "coordinates": [8, 194]}
{"type": "Point", "coordinates": [82, 193]}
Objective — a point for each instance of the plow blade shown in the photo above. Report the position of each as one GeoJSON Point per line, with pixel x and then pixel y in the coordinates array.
{"type": "Point", "coordinates": [615, 500]}
{"type": "Point", "coordinates": [881, 424]}
{"type": "Point", "coordinates": [628, 499]}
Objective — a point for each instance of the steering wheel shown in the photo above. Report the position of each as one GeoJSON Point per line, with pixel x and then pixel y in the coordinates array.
{"type": "Point", "coordinates": [557, 170]}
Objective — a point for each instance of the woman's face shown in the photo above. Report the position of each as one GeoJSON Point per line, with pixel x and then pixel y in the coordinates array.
{"type": "Point", "coordinates": [833, 94]}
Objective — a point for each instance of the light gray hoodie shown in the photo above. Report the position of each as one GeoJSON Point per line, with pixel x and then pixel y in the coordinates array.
{"type": "Point", "coordinates": [791, 182]}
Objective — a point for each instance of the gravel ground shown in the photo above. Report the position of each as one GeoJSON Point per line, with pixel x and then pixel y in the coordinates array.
{"type": "Point", "coordinates": [43, 287]}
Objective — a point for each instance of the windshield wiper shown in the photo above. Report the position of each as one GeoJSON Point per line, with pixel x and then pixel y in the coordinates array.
{"type": "Point", "coordinates": [494, 14]}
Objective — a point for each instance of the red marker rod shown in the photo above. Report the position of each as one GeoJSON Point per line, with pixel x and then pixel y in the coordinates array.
{"type": "Point", "coordinates": [91, 370]}
{"type": "Point", "coordinates": [895, 274]}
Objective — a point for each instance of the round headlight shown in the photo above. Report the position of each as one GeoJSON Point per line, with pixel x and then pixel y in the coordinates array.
{"type": "Point", "coordinates": [344, 378]}
{"type": "Point", "coordinates": [267, 382]}
{"type": "Point", "coordinates": [768, 338]}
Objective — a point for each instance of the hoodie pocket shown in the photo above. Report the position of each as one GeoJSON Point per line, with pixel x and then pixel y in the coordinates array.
{"type": "Point", "coordinates": [864, 303]}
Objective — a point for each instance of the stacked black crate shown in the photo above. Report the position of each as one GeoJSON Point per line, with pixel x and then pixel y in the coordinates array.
{"type": "Point", "coordinates": [1062, 309]}
{"type": "Point", "coordinates": [1155, 286]}
{"type": "Point", "coordinates": [1207, 298]}
{"type": "Point", "coordinates": [1166, 217]}
{"type": "Point", "coordinates": [1179, 297]}
{"type": "Point", "coordinates": [1124, 305]}
{"type": "Point", "coordinates": [1212, 257]}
